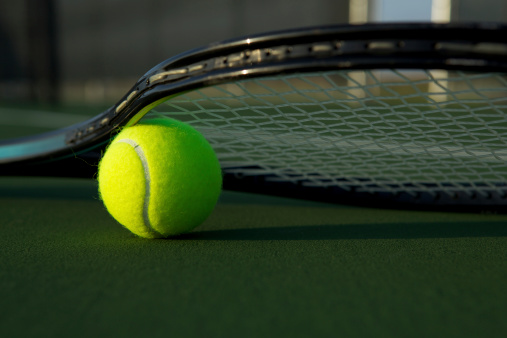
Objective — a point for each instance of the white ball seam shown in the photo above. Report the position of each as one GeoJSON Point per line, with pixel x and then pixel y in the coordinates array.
{"type": "Point", "coordinates": [147, 179]}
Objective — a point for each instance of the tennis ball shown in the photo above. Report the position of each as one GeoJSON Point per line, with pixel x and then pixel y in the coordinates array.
{"type": "Point", "coordinates": [159, 178]}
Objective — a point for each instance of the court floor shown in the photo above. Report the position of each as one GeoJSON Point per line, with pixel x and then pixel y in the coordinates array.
{"type": "Point", "coordinates": [259, 266]}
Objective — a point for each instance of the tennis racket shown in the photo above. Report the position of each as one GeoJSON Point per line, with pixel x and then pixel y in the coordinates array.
{"type": "Point", "coordinates": [393, 115]}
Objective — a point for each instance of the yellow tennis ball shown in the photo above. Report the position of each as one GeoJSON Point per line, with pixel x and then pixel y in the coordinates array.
{"type": "Point", "coordinates": [159, 178]}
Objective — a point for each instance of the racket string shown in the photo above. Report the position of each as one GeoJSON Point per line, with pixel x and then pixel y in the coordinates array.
{"type": "Point", "coordinates": [410, 131]}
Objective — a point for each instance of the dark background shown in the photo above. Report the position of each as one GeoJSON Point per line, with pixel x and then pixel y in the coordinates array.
{"type": "Point", "coordinates": [95, 50]}
{"type": "Point", "coordinates": [92, 51]}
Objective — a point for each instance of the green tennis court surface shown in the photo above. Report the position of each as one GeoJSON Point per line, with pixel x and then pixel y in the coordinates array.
{"type": "Point", "coordinates": [260, 266]}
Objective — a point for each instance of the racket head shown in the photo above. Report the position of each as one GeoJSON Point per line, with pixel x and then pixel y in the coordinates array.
{"type": "Point", "coordinates": [474, 48]}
